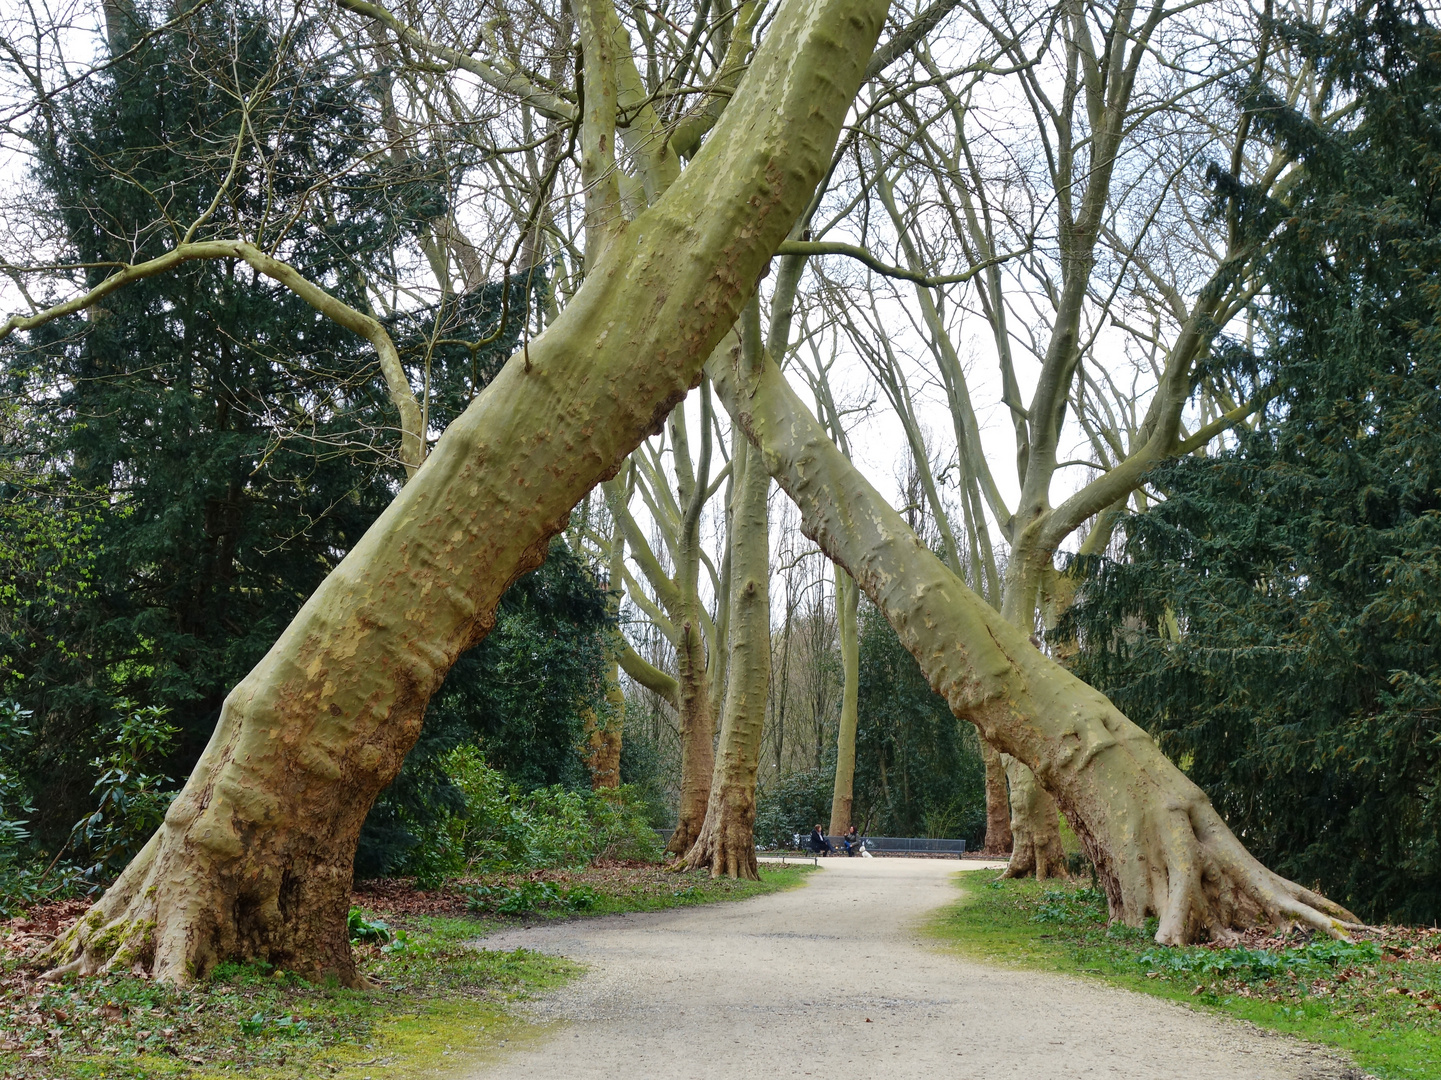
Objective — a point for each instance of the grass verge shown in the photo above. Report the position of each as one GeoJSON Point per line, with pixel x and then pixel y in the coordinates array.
{"type": "Point", "coordinates": [439, 1001]}
{"type": "Point", "coordinates": [1377, 1000]}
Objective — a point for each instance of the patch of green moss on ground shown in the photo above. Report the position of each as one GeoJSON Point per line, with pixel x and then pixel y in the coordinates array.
{"type": "Point", "coordinates": [1378, 1004]}
{"type": "Point", "coordinates": [439, 1005]}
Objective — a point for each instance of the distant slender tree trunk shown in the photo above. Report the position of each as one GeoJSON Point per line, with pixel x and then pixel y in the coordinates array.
{"type": "Point", "coordinates": [1158, 845]}
{"type": "Point", "coordinates": [1035, 820]}
{"type": "Point", "coordinates": [843, 794]}
{"type": "Point", "coordinates": [603, 734]}
{"type": "Point", "coordinates": [254, 859]}
{"type": "Point", "coordinates": [697, 737]}
{"type": "Point", "coordinates": [685, 625]}
{"type": "Point", "coordinates": [726, 843]}
{"type": "Point", "coordinates": [998, 803]}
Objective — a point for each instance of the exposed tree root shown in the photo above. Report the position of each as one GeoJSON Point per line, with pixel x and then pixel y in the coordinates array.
{"type": "Point", "coordinates": [726, 845]}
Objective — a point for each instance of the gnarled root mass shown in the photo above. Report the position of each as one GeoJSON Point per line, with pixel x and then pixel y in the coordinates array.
{"type": "Point", "coordinates": [174, 914]}
{"type": "Point", "coordinates": [726, 845]}
{"type": "Point", "coordinates": [1168, 853]}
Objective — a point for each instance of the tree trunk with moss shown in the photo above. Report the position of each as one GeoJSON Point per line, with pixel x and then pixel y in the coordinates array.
{"type": "Point", "coordinates": [603, 734]}
{"type": "Point", "coordinates": [726, 843]}
{"type": "Point", "coordinates": [1158, 845]}
{"type": "Point", "coordinates": [843, 792]}
{"type": "Point", "coordinates": [254, 859]}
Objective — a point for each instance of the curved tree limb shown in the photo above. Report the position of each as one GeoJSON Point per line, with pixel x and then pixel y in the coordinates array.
{"type": "Point", "coordinates": [511, 82]}
{"type": "Point", "coordinates": [651, 677]}
{"type": "Point", "coordinates": [412, 438]}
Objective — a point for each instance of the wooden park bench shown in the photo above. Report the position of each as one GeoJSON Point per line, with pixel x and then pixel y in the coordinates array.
{"type": "Point", "coordinates": [876, 845]}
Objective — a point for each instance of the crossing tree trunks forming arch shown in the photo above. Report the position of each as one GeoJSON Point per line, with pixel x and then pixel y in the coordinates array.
{"type": "Point", "coordinates": [254, 858]}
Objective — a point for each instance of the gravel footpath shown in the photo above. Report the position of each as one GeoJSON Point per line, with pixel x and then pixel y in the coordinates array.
{"type": "Point", "coordinates": [833, 980]}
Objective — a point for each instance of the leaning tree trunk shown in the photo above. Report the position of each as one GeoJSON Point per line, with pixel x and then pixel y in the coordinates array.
{"type": "Point", "coordinates": [726, 844]}
{"type": "Point", "coordinates": [254, 858]}
{"type": "Point", "coordinates": [998, 803]}
{"type": "Point", "coordinates": [843, 792]}
{"type": "Point", "coordinates": [1158, 845]}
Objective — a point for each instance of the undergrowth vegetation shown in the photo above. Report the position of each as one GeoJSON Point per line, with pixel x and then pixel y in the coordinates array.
{"type": "Point", "coordinates": [1378, 999]}
{"type": "Point", "coordinates": [252, 1017]}
{"type": "Point", "coordinates": [435, 994]}
{"type": "Point", "coordinates": [499, 828]}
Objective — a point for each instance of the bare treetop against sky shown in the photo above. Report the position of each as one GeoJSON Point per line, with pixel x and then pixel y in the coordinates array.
{"type": "Point", "coordinates": [1157, 216]}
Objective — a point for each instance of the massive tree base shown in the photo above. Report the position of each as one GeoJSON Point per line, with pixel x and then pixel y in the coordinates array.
{"type": "Point", "coordinates": [1158, 845]}
{"type": "Point", "coordinates": [1036, 849]}
{"type": "Point", "coordinates": [1168, 853]}
{"type": "Point", "coordinates": [726, 845]}
{"type": "Point", "coordinates": [173, 916]}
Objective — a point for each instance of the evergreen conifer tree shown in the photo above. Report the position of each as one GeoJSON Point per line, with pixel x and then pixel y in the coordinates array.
{"type": "Point", "coordinates": [1276, 621]}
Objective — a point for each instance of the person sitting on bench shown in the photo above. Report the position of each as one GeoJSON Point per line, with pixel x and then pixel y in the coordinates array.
{"type": "Point", "coordinates": [851, 841]}
{"type": "Point", "coordinates": [818, 842]}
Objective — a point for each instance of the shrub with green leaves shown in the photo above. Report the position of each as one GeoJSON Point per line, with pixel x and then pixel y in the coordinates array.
{"type": "Point", "coordinates": [531, 896]}
{"type": "Point", "coordinates": [130, 801]}
{"type": "Point", "coordinates": [791, 804]}
{"type": "Point", "coordinates": [17, 879]}
{"type": "Point", "coordinates": [1069, 907]}
{"type": "Point", "coordinates": [501, 828]}
{"type": "Point", "coordinates": [1258, 965]}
